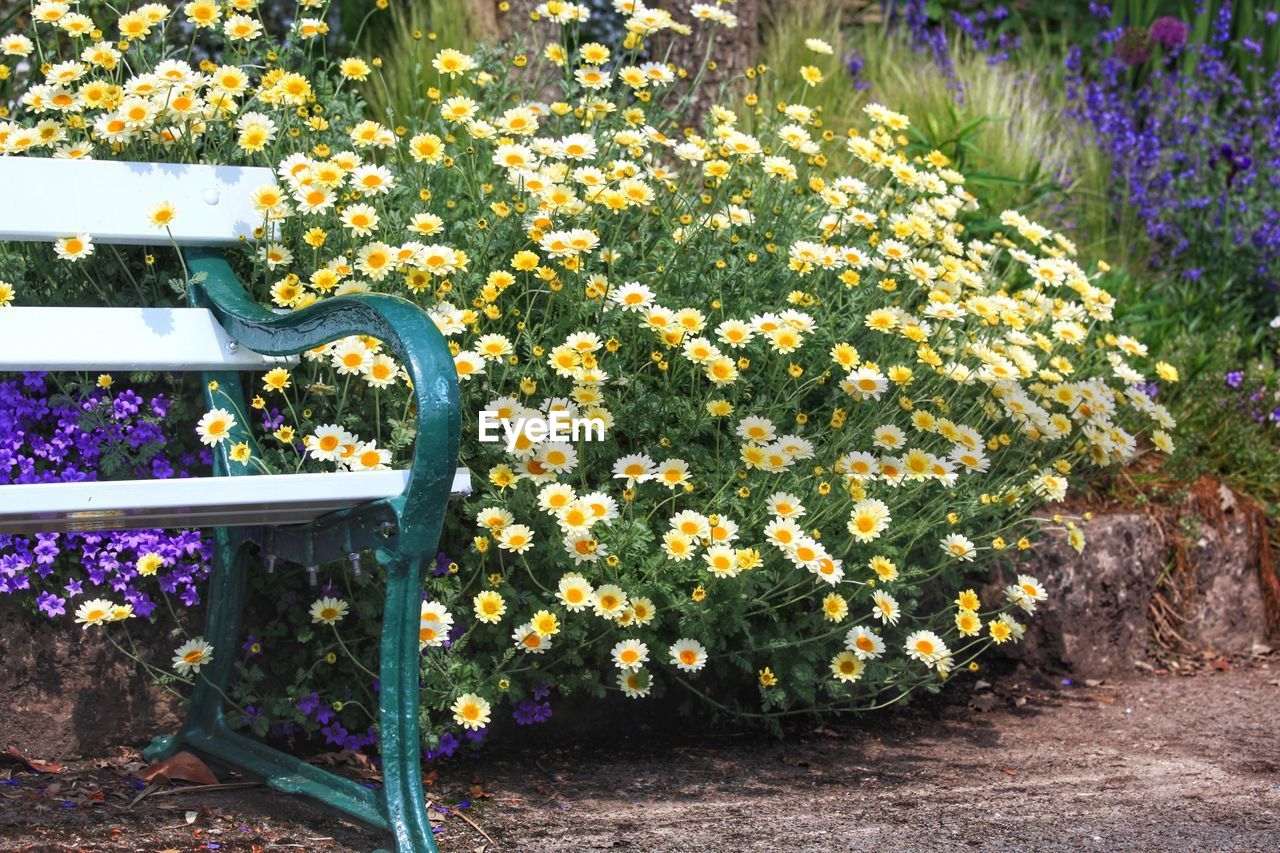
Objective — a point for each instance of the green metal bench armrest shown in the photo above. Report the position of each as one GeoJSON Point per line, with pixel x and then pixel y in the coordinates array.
{"type": "Point", "coordinates": [405, 329]}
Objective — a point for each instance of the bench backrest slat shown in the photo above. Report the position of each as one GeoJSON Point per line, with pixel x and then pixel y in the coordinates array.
{"type": "Point", "coordinates": [109, 200]}
{"type": "Point", "coordinates": [123, 339]}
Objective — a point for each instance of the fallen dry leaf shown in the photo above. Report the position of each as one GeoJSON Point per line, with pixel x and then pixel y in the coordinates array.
{"type": "Point", "coordinates": [182, 767]}
{"type": "Point", "coordinates": [33, 764]}
{"type": "Point", "coordinates": [985, 702]}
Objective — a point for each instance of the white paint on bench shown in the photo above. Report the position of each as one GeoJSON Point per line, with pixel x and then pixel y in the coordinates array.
{"type": "Point", "coordinates": [123, 339]}
{"type": "Point", "coordinates": [196, 501]}
{"type": "Point", "coordinates": [109, 200]}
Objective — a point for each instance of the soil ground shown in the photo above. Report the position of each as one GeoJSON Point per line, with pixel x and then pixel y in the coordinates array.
{"type": "Point", "coordinates": [1156, 762]}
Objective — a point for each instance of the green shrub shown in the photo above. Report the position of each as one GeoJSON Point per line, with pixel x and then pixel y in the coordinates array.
{"type": "Point", "coordinates": [824, 399]}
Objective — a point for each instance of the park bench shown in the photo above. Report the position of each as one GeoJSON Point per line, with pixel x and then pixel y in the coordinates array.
{"type": "Point", "coordinates": [301, 519]}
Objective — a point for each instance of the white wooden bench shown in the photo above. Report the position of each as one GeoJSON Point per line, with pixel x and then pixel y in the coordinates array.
{"type": "Point", "coordinates": [303, 519]}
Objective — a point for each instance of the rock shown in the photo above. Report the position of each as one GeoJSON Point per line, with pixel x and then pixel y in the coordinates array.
{"type": "Point", "coordinates": [1096, 621]}
{"type": "Point", "coordinates": [1226, 614]}
{"type": "Point", "coordinates": [70, 692]}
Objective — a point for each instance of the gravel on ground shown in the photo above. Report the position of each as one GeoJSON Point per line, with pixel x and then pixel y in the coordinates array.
{"type": "Point", "coordinates": [1154, 762]}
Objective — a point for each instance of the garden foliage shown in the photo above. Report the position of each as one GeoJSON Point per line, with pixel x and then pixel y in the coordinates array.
{"type": "Point", "coordinates": [1191, 129]}
{"type": "Point", "coordinates": [825, 403]}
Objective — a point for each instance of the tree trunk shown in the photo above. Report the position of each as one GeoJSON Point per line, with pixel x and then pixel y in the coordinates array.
{"type": "Point", "coordinates": [732, 52]}
{"type": "Point", "coordinates": [517, 31]}
{"type": "Point", "coordinates": [484, 20]}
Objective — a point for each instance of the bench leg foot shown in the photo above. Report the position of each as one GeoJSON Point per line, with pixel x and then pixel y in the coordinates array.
{"type": "Point", "coordinates": [400, 806]}
{"type": "Point", "coordinates": [401, 744]}
{"type": "Point", "coordinates": [161, 748]}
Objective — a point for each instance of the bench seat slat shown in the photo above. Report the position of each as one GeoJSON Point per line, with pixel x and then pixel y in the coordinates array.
{"type": "Point", "coordinates": [214, 203]}
{"type": "Point", "coordinates": [123, 339]}
{"type": "Point", "coordinates": [196, 501]}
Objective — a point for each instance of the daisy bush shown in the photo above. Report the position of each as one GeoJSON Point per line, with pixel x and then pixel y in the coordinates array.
{"type": "Point", "coordinates": [814, 406]}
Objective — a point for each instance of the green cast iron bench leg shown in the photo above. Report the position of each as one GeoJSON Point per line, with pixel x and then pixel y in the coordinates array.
{"type": "Point", "coordinates": [402, 809]}
{"type": "Point", "coordinates": [403, 531]}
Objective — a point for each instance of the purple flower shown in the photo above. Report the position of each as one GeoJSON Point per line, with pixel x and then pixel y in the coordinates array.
{"type": "Point", "coordinates": [447, 746]}
{"type": "Point", "coordinates": [335, 734]}
{"type": "Point", "coordinates": [309, 704]}
{"type": "Point", "coordinates": [1192, 146]}
{"type": "Point", "coordinates": [50, 604]}
{"type": "Point", "coordinates": [1234, 378]}
{"type": "Point", "coordinates": [853, 64]}
{"type": "Point", "coordinates": [1169, 32]}
{"type": "Point", "coordinates": [55, 437]}
{"type": "Point", "coordinates": [527, 712]}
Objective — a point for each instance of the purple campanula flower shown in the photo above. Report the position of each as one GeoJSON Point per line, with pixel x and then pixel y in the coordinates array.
{"type": "Point", "coordinates": [527, 712]}
{"type": "Point", "coordinates": [50, 604]}
{"type": "Point", "coordinates": [447, 746]}
{"type": "Point", "coordinates": [55, 437]}
{"type": "Point", "coordinates": [334, 733]}
{"type": "Point", "coordinates": [308, 704]}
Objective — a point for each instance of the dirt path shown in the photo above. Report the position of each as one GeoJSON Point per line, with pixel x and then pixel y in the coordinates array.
{"type": "Point", "coordinates": [1160, 762]}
